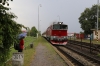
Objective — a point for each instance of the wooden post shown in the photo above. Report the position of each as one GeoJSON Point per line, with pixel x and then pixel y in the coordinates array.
{"type": "Point", "coordinates": [81, 42]}
{"type": "Point", "coordinates": [90, 44]}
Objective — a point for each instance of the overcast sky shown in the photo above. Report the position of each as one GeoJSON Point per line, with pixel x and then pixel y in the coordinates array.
{"type": "Point", "coordinates": [68, 10]}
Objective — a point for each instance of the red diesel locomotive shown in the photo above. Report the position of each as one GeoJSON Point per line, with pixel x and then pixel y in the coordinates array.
{"type": "Point", "coordinates": [57, 33]}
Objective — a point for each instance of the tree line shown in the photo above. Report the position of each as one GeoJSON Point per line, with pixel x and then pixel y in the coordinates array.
{"type": "Point", "coordinates": [88, 19]}
{"type": "Point", "coordinates": [9, 30]}
{"type": "Point", "coordinates": [33, 32]}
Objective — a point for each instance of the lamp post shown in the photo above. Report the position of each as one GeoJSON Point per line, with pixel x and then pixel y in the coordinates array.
{"type": "Point", "coordinates": [38, 18]}
{"type": "Point", "coordinates": [97, 13]}
{"type": "Point", "coordinates": [97, 17]}
{"type": "Point", "coordinates": [59, 18]}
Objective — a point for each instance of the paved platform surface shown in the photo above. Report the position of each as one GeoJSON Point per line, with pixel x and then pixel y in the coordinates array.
{"type": "Point", "coordinates": [45, 57]}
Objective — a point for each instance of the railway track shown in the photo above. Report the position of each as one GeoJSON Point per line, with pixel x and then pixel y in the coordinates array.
{"type": "Point", "coordinates": [76, 58]}
{"type": "Point", "coordinates": [90, 46]}
{"type": "Point", "coordinates": [79, 55]}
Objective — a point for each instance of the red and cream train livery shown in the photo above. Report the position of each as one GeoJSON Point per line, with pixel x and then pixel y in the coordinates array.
{"type": "Point", "coordinates": [57, 33]}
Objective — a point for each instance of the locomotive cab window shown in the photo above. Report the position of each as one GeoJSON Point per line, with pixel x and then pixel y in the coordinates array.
{"type": "Point", "coordinates": [60, 26]}
{"type": "Point", "coordinates": [64, 27]}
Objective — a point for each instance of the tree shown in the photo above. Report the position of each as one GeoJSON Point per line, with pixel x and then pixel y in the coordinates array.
{"type": "Point", "coordinates": [39, 33]}
{"type": "Point", "coordinates": [28, 31]}
{"type": "Point", "coordinates": [88, 19]}
{"type": "Point", "coordinates": [9, 29]}
{"type": "Point", "coordinates": [33, 32]}
{"type": "Point", "coordinates": [5, 2]}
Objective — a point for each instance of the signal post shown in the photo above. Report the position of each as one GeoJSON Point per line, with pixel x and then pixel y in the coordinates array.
{"type": "Point", "coordinates": [97, 36]}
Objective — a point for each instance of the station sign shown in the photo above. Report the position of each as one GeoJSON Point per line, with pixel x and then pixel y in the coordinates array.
{"type": "Point", "coordinates": [18, 59]}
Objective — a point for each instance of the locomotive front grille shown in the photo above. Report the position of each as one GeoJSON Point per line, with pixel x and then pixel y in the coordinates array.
{"type": "Point", "coordinates": [56, 38]}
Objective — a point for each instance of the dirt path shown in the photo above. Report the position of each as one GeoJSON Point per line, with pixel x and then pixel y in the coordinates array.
{"type": "Point", "coordinates": [44, 57]}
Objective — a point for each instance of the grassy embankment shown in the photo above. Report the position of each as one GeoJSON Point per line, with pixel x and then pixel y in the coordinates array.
{"type": "Point", "coordinates": [30, 52]}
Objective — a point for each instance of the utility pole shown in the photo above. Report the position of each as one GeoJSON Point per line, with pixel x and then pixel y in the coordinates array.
{"type": "Point", "coordinates": [59, 18]}
{"type": "Point", "coordinates": [38, 19]}
{"type": "Point", "coordinates": [97, 18]}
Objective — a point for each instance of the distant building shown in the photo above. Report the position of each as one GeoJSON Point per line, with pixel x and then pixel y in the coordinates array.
{"type": "Point", "coordinates": [80, 35]}
{"type": "Point", "coordinates": [95, 34]}
{"type": "Point", "coordinates": [70, 34]}
{"type": "Point", "coordinates": [24, 31]}
{"type": "Point", "coordinates": [76, 35]}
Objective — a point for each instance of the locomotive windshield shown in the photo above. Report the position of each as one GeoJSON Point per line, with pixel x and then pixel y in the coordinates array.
{"type": "Point", "coordinates": [58, 26]}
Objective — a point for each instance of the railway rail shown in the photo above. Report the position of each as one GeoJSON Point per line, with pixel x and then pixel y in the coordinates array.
{"type": "Point", "coordinates": [90, 46]}
{"type": "Point", "coordinates": [78, 58]}
{"type": "Point", "coordinates": [79, 53]}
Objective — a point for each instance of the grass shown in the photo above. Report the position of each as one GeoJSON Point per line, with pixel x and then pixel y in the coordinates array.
{"type": "Point", "coordinates": [28, 56]}
{"type": "Point", "coordinates": [86, 40]}
{"type": "Point", "coordinates": [28, 53]}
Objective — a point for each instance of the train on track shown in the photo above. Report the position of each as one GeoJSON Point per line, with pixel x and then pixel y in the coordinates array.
{"type": "Point", "coordinates": [56, 33]}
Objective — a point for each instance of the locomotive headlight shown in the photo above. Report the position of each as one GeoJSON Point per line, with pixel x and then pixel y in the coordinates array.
{"type": "Point", "coordinates": [60, 23]}
{"type": "Point", "coordinates": [54, 36]}
{"type": "Point", "coordinates": [65, 37]}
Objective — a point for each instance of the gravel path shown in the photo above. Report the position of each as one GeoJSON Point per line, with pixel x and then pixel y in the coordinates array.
{"type": "Point", "coordinates": [44, 57]}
